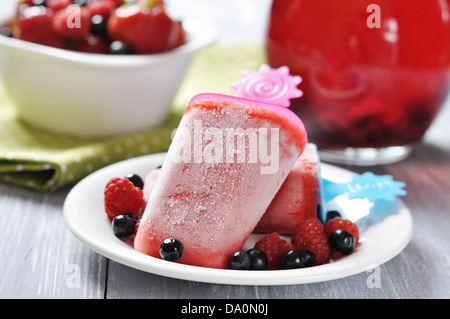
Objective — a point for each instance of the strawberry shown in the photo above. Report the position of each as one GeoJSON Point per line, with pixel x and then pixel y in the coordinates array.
{"type": "Point", "coordinates": [144, 26]}
{"type": "Point", "coordinates": [72, 24]}
{"type": "Point", "coordinates": [35, 25]}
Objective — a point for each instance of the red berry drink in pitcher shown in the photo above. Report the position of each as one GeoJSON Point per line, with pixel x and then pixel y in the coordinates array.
{"type": "Point", "coordinates": [375, 73]}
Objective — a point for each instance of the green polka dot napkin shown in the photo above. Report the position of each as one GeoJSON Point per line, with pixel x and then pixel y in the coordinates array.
{"type": "Point", "coordinates": [45, 161]}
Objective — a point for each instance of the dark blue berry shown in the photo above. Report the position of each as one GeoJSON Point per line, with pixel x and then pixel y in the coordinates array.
{"type": "Point", "coordinates": [258, 259]}
{"type": "Point", "coordinates": [342, 241]}
{"type": "Point", "coordinates": [123, 226]}
{"type": "Point", "coordinates": [308, 258]}
{"type": "Point", "coordinates": [290, 260]}
{"type": "Point", "coordinates": [136, 180]}
{"type": "Point", "coordinates": [171, 249]}
{"type": "Point", "coordinates": [119, 48]}
{"type": "Point", "coordinates": [240, 260]}
{"type": "Point", "coordinates": [293, 259]}
{"type": "Point", "coordinates": [332, 214]}
{"type": "Point", "coordinates": [132, 216]}
{"type": "Point", "coordinates": [98, 26]}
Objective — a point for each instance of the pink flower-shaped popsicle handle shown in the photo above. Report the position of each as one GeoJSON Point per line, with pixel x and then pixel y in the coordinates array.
{"type": "Point", "coordinates": [270, 85]}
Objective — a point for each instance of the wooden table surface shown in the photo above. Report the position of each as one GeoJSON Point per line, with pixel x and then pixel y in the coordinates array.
{"type": "Point", "coordinates": [40, 258]}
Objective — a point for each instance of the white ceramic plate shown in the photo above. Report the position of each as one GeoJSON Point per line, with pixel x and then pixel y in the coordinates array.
{"type": "Point", "coordinates": [85, 217]}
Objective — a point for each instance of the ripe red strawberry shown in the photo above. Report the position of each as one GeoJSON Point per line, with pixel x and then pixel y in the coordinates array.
{"type": "Point", "coordinates": [35, 25]}
{"type": "Point", "coordinates": [145, 28]}
{"type": "Point", "coordinates": [309, 234]}
{"type": "Point", "coordinates": [122, 197]}
{"type": "Point", "coordinates": [273, 247]}
{"type": "Point", "coordinates": [341, 223]}
{"type": "Point", "coordinates": [73, 24]}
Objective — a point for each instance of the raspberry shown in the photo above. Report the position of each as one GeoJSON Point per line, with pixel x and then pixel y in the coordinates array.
{"type": "Point", "coordinates": [274, 247]}
{"type": "Point", "coordinates": [122, 197]}
{"type": "Point", "coordinates": [309, 234]}
{"type": "Point", "coordinates": [341, 223]}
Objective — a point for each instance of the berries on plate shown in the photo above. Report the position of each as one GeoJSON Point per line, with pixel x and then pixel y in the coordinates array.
{"type": "Point", "coordinates": [309, 234]}
{"type": "Point", "coordinates": [293, 259]}
{"type": "Point", "coordinates": [171, 249]}
{"type": "Point", "coordinates": [341, 223]}
{"type": "Point", "coordinates": [123, 225]}
{"type": "Point", "coordinates": [240, 260]}
{"type": "Point", "coordinates": [342, 241]}
{"type": "Point", "coordinates": [136, 180]}
{"type": "Point", "coordinates": [273, 247]}
{"type": "Point", "coordinates": [258, 259]}
{"type": "Point", "coordinates": [122, 197]}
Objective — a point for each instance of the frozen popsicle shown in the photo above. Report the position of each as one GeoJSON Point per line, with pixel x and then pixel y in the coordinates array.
{"type": "Point", "coordinates": [228, 159]}
{"type": "Point", "coordinates": [298, 198]}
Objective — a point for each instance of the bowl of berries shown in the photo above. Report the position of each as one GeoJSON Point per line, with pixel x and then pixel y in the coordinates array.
{"type": "Point", "coordinates": [95, 68]}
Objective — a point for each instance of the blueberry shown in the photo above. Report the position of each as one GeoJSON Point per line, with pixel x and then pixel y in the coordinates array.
{"type": "Point", "coordinates": [290, 260]}
{"type": "Point", "coordinates": [171, 249]}
{"type": "Point", "coordinates": [297, 259]}
{"type": "Point", "coordinates": [98, 26]}
{"type": "Point", "coordinates": [332, 214]}
{"type": "Point", "coordinates": [123, 226]}
{"type": "Point", "coordinates": [240, 260]}
{"type": "Point", "coordinates": [258, 259]}
{"type": "Point", "coordinates": [308, 258]}
{"type": "Point", "coordinates": [132, 216]}
{"type": "Point", "coordinates": [342, 241]}
{"type": "Point", "coordinates": [119, 48]}
{"type": "Point", "coordinates": [136, 180]}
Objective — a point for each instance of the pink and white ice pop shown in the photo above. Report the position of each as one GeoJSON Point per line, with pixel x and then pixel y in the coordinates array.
{"type": "Point", "coordinates": [298, 198]}
{"type": "Point", "coordinates": [228, 159]}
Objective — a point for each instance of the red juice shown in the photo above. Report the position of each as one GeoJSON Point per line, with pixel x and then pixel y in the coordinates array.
{"type": "Point", "coordinates": [364, 86]}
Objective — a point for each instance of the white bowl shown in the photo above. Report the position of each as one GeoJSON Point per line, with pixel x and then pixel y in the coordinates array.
{"type": "Point", "coordinates": [95, 95]}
